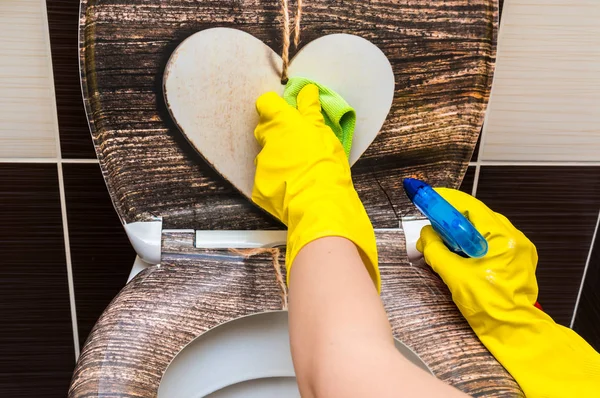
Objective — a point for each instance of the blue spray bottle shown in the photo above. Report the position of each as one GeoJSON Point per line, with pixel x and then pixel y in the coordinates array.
{"type": "Point", "coordinates": [455, 229]}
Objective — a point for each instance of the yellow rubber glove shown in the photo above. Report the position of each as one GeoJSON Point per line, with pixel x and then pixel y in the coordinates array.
{"type": "Point", "coordinates": [303, 178]}
{"type": "Point", "coordinates": [496, 294]}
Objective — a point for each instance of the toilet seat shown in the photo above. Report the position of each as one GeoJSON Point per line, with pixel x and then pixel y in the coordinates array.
{"type": "Point", "coordinates": [164, 192]}
{"type": "Point", "coordinates": [131, 346]}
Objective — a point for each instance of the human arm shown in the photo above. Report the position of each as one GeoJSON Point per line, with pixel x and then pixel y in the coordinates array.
{"type": "Point", "coordinates": [496, 294]}
{"type": "Point", "coordinates": [342, 345]}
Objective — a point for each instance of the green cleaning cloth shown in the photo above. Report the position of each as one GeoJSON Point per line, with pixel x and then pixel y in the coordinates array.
{"type": "Point", "coordinates": [338, 114]}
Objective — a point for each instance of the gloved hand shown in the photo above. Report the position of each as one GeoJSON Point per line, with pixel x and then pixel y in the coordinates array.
{"type": "Point", "coordinates": [303, 178]}
{"type": "Point", "coordinates": [496, 295]}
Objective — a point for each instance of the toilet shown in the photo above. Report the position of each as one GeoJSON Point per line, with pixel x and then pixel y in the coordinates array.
{"type": "Point", "coordinates": [204, 311]}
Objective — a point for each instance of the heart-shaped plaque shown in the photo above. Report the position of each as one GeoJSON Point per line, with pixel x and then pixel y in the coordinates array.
{"type": "Point", "coordinates": [214, 77]}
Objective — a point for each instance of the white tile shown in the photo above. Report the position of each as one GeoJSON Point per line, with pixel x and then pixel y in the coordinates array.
{"type": "Point", "coordinates": [545, 102]}
{"type": "Point", "coordinates": [28, 127]}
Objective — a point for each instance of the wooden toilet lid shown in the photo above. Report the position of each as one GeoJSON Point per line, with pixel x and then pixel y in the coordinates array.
{"type": "Point", "coordinates": [442, 56]}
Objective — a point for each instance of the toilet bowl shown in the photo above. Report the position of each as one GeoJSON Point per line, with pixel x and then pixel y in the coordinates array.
{"type": "Point", "coordinates": [223, 361]}
{"type": "Point", "coordinates": [196, 312]}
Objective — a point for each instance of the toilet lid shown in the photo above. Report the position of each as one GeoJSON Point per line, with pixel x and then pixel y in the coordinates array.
{"type": "Point", "coordinates": [442, 59]}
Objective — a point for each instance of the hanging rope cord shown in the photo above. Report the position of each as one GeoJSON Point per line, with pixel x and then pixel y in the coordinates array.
{"type": "Point", "coordinates": [286, 32]}
{"type": "Point", "coordinates": [285, 56]}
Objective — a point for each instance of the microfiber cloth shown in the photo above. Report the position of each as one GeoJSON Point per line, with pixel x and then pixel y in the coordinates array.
{"type": "Point", "coordinates": [338, 114]}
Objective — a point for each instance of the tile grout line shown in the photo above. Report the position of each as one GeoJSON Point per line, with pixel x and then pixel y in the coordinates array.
{"type": "Point", "coordinates": [48, 160]}
{"type": "Point", "coordinates": [476, 179]}
{"type": "Point", "coordinates": [477, 163]}
{"type": "Point", "coordinates": [80, 161]}
{"type": "Point", "coordinates": [71, 284]}
{"type": "Point", "coordinates": [585, 269]}
{"type": "Point", "coordinates": [493, 163]}
{"type": "Point", "coordinates": [536, 163]}
{"type": "Point", "coordinates": [61, 190]}
{"type": "Point", "coordinates": [501, 22]}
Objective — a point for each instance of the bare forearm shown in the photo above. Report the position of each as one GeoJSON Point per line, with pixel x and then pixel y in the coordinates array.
{"type": "Point", "coordinates": [341, 340]}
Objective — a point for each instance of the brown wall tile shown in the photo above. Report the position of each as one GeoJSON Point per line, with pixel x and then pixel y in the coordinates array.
{"type": "Point", "coordinates": [467, 182]}
{"type": "Point", "coordinates": [475, 154]}
{"type": "Point", "coordinates": [75, 137]}
{"type": "Point", "coordinates": [36, 336]}
{"type": "Point", "coordinates": [101, 254]}
{"type": "Point", "coordinates": [587, 321]}
{"type": "Point", "coordinates": [556, 207]}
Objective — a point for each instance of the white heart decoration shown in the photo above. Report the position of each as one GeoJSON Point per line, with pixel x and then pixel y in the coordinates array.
{"type": "Point", "coordinates": [214, 77]}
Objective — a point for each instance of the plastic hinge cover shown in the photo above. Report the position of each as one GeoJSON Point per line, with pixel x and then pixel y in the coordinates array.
{"type": "Point", "coordinates": [412, 232]}
{"type": "Point", "coordinates": [145, 237]}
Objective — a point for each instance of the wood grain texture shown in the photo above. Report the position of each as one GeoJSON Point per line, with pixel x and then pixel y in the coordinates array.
{"type": "Point", "coordinates": [442, 55]}
{"type": "Point", "coordinates": [164, 308]}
